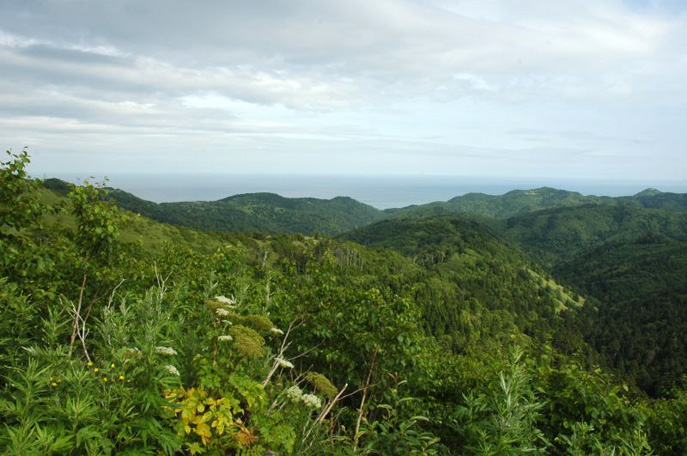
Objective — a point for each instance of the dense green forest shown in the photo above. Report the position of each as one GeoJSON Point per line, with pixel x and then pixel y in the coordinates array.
{"type": "Point", "coordinates": [633, 263]}
{"type": "Point", "coordinates": [270, 213]}
{"type": "Point", "coordinates": [440, 335]}
{"type": "Point", "coordinates": [253, 212]}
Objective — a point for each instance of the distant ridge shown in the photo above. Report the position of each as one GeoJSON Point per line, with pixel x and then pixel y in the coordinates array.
{"type": "Point", "coordinates": [517, 202]}
{"type": "Point", "coordinates": [273, 213]}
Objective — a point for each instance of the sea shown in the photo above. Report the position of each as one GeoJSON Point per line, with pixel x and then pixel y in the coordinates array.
{"type": "Point", "coordinates": [382, 192]}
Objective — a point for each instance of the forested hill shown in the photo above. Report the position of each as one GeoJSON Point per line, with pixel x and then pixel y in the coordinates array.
{"type": "Point", "coordinates": [252, 212]}
{"type": "Point", "coordinates": [523, 201]}
{"type": "Point", "coordinates": [634, 262]}
{"type": "Point", "coordinates": [556, 235]}
{"type": "Point", "coordinates": [271, 213]}
{"type": "Point", "coordinates": [474, 269]}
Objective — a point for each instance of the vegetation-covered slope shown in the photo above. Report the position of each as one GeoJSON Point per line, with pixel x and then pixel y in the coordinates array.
{"type": "Point", "coordinates": [476, 280]}
{"type": "Point", "coordinates": [253, 212]}
{"type": "Point", "coordinates": [286, 344]}
{"type": "Point", "coordinates": [556, 235]}
{"type": "Point", "coordinates": [523, 201]}
{"type": "Point", "coordinates": [271, 213]}
{"type": "Point", "coordinates": [642, 317]}
{"type": "Point", "coordinates": [634, 262]}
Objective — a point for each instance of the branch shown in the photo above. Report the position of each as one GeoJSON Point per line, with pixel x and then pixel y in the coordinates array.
{"type": "Point", "coordinates": [362, 401]}
{"type": "Point", "coordinates": [76, 311]}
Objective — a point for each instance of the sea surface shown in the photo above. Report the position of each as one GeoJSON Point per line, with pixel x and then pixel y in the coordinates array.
{"type": "Point", "coordinates": [379, 191]}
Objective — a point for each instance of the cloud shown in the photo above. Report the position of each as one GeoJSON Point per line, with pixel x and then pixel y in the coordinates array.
{"type": "Point", "coordinates": [229, 74]}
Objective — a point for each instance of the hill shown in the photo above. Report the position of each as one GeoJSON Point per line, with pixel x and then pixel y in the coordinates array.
{"type": "Point", "coordinates": [523, 201]}
{"type": "Point", "coordinates": [641, 318]}
{"type": "Point", "coordinates": [555, 235]}
{"type": "Point", "coordinates": [252, 212]}
{"type": "Point", "coordinates": [633, 263]}
{"type": "Point", "coordinates": [501, 206]}
{"type": "Point", "coordinates": [481, 276]}
{"type": "Point", "coordinates": [271, 213]}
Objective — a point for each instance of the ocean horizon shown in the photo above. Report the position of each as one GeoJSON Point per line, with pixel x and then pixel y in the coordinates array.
{"type": "Point", "coordinates": [382, 192]}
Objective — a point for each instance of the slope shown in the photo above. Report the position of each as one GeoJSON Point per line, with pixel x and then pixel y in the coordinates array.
{"type": "Point", "coordinates": [253, 212]}
{"type": "Point", "coordinates": [523, 201]}
{"type": "Point", "coordinates": [480, 285]}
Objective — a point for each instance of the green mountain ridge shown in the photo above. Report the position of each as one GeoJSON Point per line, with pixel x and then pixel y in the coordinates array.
{"type": "Point", "coordinates": [272, 213]}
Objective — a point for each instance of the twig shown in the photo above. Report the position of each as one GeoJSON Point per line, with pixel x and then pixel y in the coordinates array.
{"type": "Point", "coordinates": [76, 316]}
{"type": "Point", "coordinates": [293, 325]}
{"type": "Point", "coordinates": [362, 401]}
{"type": "Point", "coordinates": [112, 295]}
{"type": "Point", "coordinates": [325, 412]}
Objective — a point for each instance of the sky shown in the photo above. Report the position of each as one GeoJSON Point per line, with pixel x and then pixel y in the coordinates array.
{"type": "Point", "coordinates": [562, 88]}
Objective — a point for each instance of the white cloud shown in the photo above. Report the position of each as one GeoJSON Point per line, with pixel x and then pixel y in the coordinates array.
{"type": "Point", "coordinates": [363, 79]}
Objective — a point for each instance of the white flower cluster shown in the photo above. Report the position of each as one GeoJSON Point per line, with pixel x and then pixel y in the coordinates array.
{"type": "Point", "coordinates": [295, 394]}
{"type": "Point", "coordinates": [276, 332]}
{"type": "Point", "coordinates": [222, 312]}
{"type": "Point", "coordinates": [172, 370]}
{"type": "Point", "coordinates": [224, 300]}
{"type": "Point", "coordinates": [312, 401]}
{"type": "Point", "coordinates": [284, 363]}
{"type": "Point", "coordinates": [226, 338]}
{"type": "Point", "coordinates": [165, 351]}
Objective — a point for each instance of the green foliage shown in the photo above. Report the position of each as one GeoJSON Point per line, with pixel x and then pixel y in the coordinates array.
{"type": "Point", "coordinates": [18, 206]}
{"type": "Point", "coordinates": [257, 212]}
{"type": "Point", "coordinates": [397, 428]}
{"type": "Point", "coordinates": [503, 418]}
{"type": "Point", "coordinates": [394, 349]}
{"type": "Point", "coordinates": [97, 221]}
{"type": "Point", "coordinates": [667, 423]}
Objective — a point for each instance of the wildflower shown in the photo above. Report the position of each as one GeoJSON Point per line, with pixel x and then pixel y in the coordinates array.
{"type": "Point", "coordinates": [322, 384]}
{"type": "Point", "coordinates": [294, 393]}
{"type": "Point", "coordinates": [53, 384]}
{"type": "Point", "coordinates": [224, 300]}
{"type": "Point", "coordinates": [172, 370]}
{"type": "Point", "coordinates": [165, 351]}
{"type": "Point", "coordinates": [284, 363]}
{"type": "Point", "coordinates": [96, 370]}
{"type": "Point", "coordinates": [276, 332]}
{"type": "Point", "coordinates": [226, 338]}
{"type": "Point", "coordinates": [222, 312]}
{"type": "Point", "coordinates": [105, 379]}
{"type": "Point", "coordinates": [121, 378]}
{"type": "Point", "coordinates": [89, 364]}
{"type": "Point", "coordinates": [247, 341]}
{"type": "Point", "coordinates": [312, 401]}
{"type": "Point", "coordinates": [112, 366]}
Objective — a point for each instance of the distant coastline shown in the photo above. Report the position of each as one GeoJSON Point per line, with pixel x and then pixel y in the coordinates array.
{"type": "Point", "coordinates": [382, 192]}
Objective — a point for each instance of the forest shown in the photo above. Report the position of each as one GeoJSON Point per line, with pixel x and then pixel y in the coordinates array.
{"type": "Point", "coordinates": [546, 323]}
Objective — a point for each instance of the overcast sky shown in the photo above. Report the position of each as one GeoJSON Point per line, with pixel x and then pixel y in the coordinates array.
{"type": "Point", "coordinates": [579, 88]}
